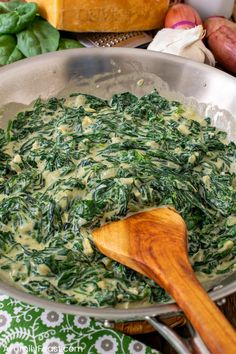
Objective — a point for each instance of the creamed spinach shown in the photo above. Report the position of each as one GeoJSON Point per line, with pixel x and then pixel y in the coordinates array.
{"type": "Point", "coordinates": [68, 165]}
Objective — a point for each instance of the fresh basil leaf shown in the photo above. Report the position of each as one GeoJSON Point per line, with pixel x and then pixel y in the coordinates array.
{"type": "Point", "coordinates": [67, 43]}
{"type": "Point", "coordinates": [40, 37]}
{"type": "Point", "coordinates": [15, 16]}
{"type": "Point", "coordinates": [9, 53]}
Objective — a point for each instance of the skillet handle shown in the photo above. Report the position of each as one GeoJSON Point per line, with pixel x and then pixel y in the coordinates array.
{"type": "Point", "coordinates": [194, 346]}
{"type": "Point", "coordinates": [171, 337]}
{"type": "Point", "coordinates": [196, 342]}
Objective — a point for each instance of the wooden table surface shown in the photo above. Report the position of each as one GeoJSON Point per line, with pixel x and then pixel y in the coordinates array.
{"type": "Point", "coordinates": [155, 341]}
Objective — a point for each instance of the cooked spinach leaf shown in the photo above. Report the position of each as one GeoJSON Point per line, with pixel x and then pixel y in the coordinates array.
{"type": "Point", "coordinates": [68, 165]}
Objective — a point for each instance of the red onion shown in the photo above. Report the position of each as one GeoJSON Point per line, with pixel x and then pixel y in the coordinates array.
{"type": "Point", "coordinates": [182, 16]}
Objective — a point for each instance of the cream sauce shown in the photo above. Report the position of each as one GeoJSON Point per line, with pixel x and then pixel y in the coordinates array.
{"type": "Point", "coordinates": [63, 197]}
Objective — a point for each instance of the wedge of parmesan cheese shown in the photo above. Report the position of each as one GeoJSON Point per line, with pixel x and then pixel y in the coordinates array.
{"type": "Point", "coordinates": [103, 15]}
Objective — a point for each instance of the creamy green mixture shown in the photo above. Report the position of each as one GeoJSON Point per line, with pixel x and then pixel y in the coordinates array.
{"type": "Point", "coordinates": [67, 165]}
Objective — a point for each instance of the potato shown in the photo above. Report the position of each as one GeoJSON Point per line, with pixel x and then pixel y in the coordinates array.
{"type": "Point", "coordinates": [221, 38]}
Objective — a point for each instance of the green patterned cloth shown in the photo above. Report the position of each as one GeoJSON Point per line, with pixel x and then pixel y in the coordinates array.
{"type": "Point", "coordinates": [26, 329]}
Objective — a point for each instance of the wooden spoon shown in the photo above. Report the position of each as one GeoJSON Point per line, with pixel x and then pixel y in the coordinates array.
{"type": "Point", "coordinates": [154, 243]}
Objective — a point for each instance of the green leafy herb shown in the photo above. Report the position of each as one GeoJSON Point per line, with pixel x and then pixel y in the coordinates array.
{"type": "Point", "coordinates": [25, 34]}
{"type": "Point", "coordinates": [15, 16]}
{"type": "Point", "coordinates": [39, 37]}
{"type": "Point", "coordinates": [9, 53]}
{"type": "Point", "coordinates": [68, 43]}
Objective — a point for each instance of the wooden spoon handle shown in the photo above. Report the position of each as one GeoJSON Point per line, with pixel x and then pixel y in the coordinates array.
{"type": "Point", "coordinates": [206, 318]}
{"type": "Point", "coordinates": [169, 266]}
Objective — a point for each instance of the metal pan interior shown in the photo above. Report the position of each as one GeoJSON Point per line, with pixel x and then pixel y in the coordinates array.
{"type": "Point", "coordinates": [102, 72]}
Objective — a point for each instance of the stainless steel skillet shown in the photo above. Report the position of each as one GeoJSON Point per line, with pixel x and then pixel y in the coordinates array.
{"type": "Point", "coordinates": [103, 72]}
